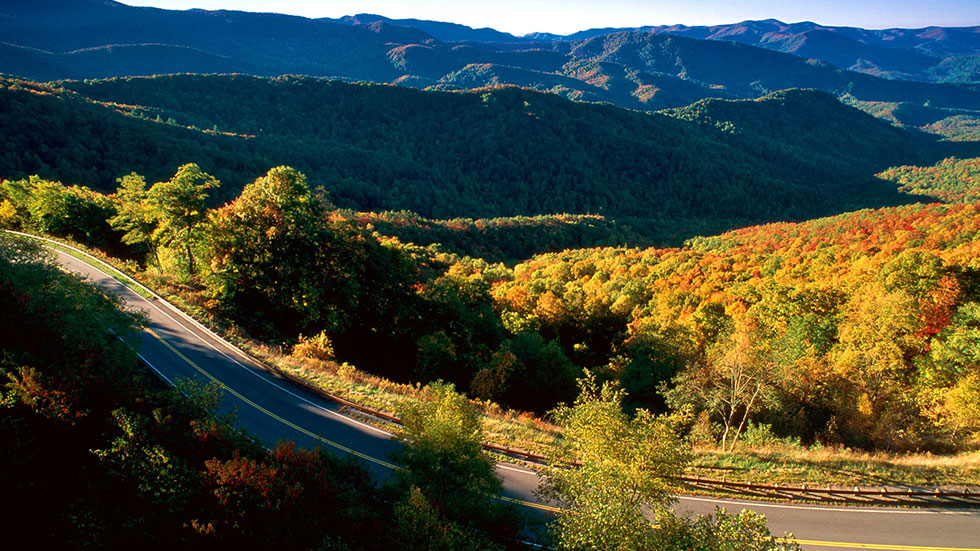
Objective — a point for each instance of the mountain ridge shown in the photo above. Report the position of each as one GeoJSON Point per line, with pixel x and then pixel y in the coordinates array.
{"type": "Point", "coordinates": [484, 153]}
{"type": "Point", "coordinates": [637, 70]}
{"type": "Point", "coordinates": [907, 53]}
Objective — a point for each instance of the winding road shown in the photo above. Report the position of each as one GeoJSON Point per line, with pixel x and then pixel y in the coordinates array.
{"type": "Point", "coordinates": [272, 408]}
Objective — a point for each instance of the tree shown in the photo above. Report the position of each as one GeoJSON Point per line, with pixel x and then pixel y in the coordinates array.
{"type": "Point", "coordinates": [626, 470]}
{"type": "Point", "coordinates": [75, 212]}
{"type": "Point", "coordinates": [527, 373]}
{"type": "Point", "coordinates": [949, 376]}
{"type": "Point", "coordinates": [444, 461]}
{"type": "Point", "coordinates": [442, 452]}
{"type": "Point", "coordinates": [180, 208]}
{"type": "Point", "coordinates": [281, 267]}
{"type": "Point", "coordinates": [737, 378]}
{"type": "Point", "coordinates": [417, 526]}
{"type": "Point", "coordinates": [436, 357]}
{"type": "Point", "coordinates": [880, 335]}
{"type": "Point", "coordinates": [268, 250]}
{"type": "Point", "coordinates": [134, 214]}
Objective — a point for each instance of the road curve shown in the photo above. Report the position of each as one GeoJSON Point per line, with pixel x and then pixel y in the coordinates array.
{"type": "Point", "coordinates": [272, 408]}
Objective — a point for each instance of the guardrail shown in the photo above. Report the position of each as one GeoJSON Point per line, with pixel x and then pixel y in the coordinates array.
{"type": "Point", "coordinates": [804, 492]}
{"type": "Point", "coordinates": [857, 491]}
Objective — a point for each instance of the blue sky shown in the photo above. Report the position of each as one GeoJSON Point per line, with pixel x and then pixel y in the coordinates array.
{"type": "Point", "coordinates": [567, 16]}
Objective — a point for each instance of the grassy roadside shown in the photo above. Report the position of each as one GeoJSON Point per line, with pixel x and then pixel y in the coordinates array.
{"type": "Point", "coordinates": [502, 427]}
{"type": "Point", "coordinates": [770, 463]}
{"type": "Point", "coordinates": [836, 467]}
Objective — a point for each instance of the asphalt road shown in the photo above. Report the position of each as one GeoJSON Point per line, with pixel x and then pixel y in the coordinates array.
{"type": "Point", "coordinates": [272, 409]}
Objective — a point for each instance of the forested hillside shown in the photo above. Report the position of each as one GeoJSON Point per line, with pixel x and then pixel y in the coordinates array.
{"type": "Point", "coordinates": [960, 125]}
{"type": "Point", "coordinates": [499, 239]}
{"type": "Point", "coordinates": [952, 180]}
{"type": "Point", "coordinates": [488, 153]}
{"type": "Point", "coordinates": [847, 327]}
{"type": "Point", "coordinates": [638, 69]}
{"type": "Point", "coordinates": [48, 132]}
{"type": "Point", "coordinates": [110, 458]}
{"type": "Point", "coordinates": [928, 54]}
{"type": "Point", "coordinates": [785, 253]}
{"type": "Point", "coordinates": [840, 328]}
{"type": "Point", "coordinates": [807, 125]}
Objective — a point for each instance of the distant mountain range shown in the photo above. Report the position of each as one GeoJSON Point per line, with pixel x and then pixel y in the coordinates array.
{"type": "Point", "coordinates": [646, 68]}
{"type": "Point", "coordinates": [930, 54]}
{"type": "Point", "coordinates": [913, 54]}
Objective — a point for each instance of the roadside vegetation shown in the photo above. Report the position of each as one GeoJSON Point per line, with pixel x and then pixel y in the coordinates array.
{"type": "Point", "coordinates": [613, 471]}
{"type": "Point", "coordinates": [110, 459]}
{"type": "Point", "coordinates": [156, 468]}
{"type": "Point", "coordinates": [790, 338]}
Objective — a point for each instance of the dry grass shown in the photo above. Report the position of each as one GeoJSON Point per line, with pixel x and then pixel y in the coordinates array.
{"type": "Point", "coordinates": [838, 467]}
{"type": "Point", "coordinates": [501, 426]}
{"type": "Point", "coordinates": [777, 462]}
{"type": "Point", "coordinates": [784, 464]}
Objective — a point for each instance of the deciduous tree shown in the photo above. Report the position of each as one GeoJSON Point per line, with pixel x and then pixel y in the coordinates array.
{"type": "Point", "coordinates": [443, 459]}
{"type": "Point", "coordinates": [134, 214]}
{"type": "Point", "coordinates": [736, 380]}
{"type": "Point", "coordinates": [625, 471]}
{"type": "Point", "coordinates": [179, 206]}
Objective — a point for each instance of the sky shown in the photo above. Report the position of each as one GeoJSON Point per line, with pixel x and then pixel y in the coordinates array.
{"type": "Point", "coordinates": [567, 16]}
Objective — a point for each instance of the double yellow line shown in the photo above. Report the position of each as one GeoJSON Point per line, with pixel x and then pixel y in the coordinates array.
{"type": "Point", "coordinates": [311, 434]}
{"type": "Point", "coordinates": [282, 420]}
{"type": "Point", "coordinates": [809, 543]}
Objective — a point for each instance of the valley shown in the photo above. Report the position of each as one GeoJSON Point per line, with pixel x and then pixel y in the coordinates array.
{"type": "Point", "coordinates": [745, 251]}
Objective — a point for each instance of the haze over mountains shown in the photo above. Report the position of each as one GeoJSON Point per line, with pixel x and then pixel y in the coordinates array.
{"type": "Point", "coordinates": [912, 54]}
{"type": "Point", "coordinates": [645, 68]}
{"type": "Point", "coordinates": [943, 54]}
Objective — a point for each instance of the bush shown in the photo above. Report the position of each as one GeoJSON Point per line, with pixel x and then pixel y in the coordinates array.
{"type": "Point", "coordinates": [318, 347]}
{"type": "Point", "coordinates": [760, 435]}
{"type": "Point", "coordinates": [723, 531]}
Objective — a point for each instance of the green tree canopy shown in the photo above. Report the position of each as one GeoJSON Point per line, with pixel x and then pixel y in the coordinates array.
{"type": "Point", "coordinates": [179, 205]}
{"type": "Point", "coordinates": [444, 461]}
{"type": "Point", "coordinates": [626, 471]}
{"type": "Point", "coordinates": [134, 214]}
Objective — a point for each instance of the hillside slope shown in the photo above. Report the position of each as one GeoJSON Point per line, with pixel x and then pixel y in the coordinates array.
{"type": "Point", "coordinates": [494, 152]}
{"type": "Point", "coordinates": [852, 325]}
{"type": "Point", "coordinates": [49, 39]}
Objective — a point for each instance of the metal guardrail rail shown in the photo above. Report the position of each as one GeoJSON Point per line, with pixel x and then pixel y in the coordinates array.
{"type": "Point", "coordinates": [881, 495]}
{"type": "Point", "coordinates": [804, 492]}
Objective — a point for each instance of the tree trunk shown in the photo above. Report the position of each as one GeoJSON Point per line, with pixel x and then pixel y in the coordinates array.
{"type": "Point", "coordinates": [745, 416]}
{"type": "Point", "coordinates": [190, 259]}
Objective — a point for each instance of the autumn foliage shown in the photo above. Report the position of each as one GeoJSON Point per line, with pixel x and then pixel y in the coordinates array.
{"type": "Point", "coordinates": [846, 315]}
{"type": "Point", "coordinates": [834, 330]}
